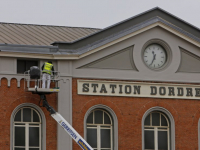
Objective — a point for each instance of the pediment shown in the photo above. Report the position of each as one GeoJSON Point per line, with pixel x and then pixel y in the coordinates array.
{"type": "Point", "coordinates": [120, 60]}
{"type": "Point", "coordinates": [123, 60]}
{"type": "Point", "coordinates": [190, 63]}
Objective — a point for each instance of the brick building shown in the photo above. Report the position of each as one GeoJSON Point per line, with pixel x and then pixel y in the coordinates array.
{"type": "Point", "coordinates": [133, 85]}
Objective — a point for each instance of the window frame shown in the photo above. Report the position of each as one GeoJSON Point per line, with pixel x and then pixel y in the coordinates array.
{"type": "Point", "coordinates": [171, 122]}
{"type": "Point", "coordinates": [114, 119]}
{"type": "Point", "coordinates": [25, 61]}
{"type": "Point", "coordinates": [98, 127]}
{"type": "Point", "coordinates": [42, 128]}
{"type": "Point", "coordinates": [157, 128]}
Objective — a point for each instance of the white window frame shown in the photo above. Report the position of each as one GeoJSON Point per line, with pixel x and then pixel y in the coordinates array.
{"type": "Point", "coordinates": [171, 129]}
{"type": "Point", "coordinates": [157, 128]}
{"type": "Point", "coordinates": [42, 126]}
{"type": "Point", "coordinates": [114, 119]}
{"type": "Point", "coordinates": [101, 126]}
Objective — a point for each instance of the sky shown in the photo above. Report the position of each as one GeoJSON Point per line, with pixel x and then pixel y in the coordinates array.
{"type": "Point", "coordinates": [91, 13]}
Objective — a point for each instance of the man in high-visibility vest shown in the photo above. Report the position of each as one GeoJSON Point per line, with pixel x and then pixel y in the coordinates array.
{"type": "Point", "coordinates": [47, 69]}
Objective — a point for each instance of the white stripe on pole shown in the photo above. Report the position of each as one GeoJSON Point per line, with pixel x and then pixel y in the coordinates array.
{"type": "Point", "coordinates": [71, 131]}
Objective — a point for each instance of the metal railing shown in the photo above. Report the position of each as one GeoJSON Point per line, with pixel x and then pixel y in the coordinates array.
{"type": "Point", "coordinates": [32, 83]}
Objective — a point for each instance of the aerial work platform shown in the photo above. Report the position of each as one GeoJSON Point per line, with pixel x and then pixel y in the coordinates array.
{"type": "Point", "coordinates": [33, 81]}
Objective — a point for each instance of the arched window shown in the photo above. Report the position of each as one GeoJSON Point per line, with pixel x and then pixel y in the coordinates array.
{"type": "Point", "coordinates": [27, 129]}
{"type": "Point", "coordinates": [100, 130]}
{"type": "Point", "coordinates": [158, 129]}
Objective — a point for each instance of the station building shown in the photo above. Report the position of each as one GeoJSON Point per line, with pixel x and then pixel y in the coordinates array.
{"type": "Point", "coordinates": [133, 85]}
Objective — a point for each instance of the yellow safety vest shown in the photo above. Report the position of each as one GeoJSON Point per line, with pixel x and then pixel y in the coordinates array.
{"type": "Point", "coordinates": [47, 68]}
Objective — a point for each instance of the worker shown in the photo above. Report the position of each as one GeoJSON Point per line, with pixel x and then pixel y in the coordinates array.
{"type": "Point", "coordinates": [47, 69]}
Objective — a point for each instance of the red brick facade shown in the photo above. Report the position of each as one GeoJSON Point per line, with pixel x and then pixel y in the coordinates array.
{"type": "Point", "coordinates": [11, 97]}
{"type": "Point", "coordinates": [129, 112]}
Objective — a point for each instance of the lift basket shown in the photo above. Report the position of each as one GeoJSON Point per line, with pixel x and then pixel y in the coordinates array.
{"type": "Point", "coordinates": [34, 72]}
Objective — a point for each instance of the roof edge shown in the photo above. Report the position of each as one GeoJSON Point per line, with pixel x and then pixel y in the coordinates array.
{"type": "Point", "coordinates": [109, 27]}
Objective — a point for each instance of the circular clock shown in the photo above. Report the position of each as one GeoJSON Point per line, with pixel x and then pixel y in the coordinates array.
{"type": "Point", "coordinates": [154, 56]}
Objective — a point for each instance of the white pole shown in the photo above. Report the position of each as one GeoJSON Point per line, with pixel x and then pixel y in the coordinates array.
{"type": "Point", "coordinates": [71, 131]}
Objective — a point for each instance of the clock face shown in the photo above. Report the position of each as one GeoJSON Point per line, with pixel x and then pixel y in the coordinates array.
{"type": "Point", "coordinates": [154, 56]}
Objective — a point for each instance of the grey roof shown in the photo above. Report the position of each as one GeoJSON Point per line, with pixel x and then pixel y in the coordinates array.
{"type": "Point", "coordinates": [125, 32]}
{"type": "Point", "coordinates": [87, 42]}
{"type": "Point", "coordinates": [138, 20]}
{"type": "Point", "coordinates": [29, 34]}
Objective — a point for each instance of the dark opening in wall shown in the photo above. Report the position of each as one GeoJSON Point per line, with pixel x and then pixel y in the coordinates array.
{"type": "Point", "coordinates": [24, 65]}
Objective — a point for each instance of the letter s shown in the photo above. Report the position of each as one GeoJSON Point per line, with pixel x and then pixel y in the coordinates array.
{"type": "Point", "coordinates": [85, 87]}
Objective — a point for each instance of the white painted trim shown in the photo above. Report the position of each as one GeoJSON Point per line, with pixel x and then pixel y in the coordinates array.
{"type": "Point", "coordinates": [115, 122]}
{"type": "Point", "coordinates": [172, 125]}
{"type": "Point", "coordinates": [43, 120]}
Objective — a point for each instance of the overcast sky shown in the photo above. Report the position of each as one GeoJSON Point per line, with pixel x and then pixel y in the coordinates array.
{"type": "Point", "coordinates": [91, 13]}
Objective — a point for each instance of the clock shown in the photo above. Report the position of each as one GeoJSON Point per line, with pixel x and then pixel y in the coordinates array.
{"type": "Point", "coordinates": [154, 56]}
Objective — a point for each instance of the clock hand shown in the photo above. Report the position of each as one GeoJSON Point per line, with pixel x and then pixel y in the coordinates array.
{"type": "Point", "coordinates": [154, 57]}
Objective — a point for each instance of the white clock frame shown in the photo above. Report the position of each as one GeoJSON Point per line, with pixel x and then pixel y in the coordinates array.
{"type": "Point", "coordinates": [166, 49]}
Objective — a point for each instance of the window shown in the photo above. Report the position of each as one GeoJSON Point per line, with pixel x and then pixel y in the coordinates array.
{"type": "Point", "coordinates": [24, 65]}
{"type": "Point", "coordinates": [156, 131]}
{"type": "Point", "coordinates": [27, 129]}
{"type": "Point", "coordinates": [100, 130]}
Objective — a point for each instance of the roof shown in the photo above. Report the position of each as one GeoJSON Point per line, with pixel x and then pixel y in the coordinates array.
{"type": "Point", "coordinates": [29, 34]}
{"type": "Point", "coordinates": [134, 21]}
{"type": "Point", "coordinates": [76, 47]}
{"type": "Point", "coordinates": [128, 26]}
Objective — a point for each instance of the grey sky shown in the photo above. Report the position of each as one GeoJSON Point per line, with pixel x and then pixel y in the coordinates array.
{"type": "Point", "coordinates": [91, 13]}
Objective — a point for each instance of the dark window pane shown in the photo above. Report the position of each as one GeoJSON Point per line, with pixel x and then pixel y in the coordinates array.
{"type": "Point", "coordinates": [19, 148]}
{"type": "Point", "coordinates": [91, 126]}
{"type": "Point", "coordinates": [163, 121]}
{"type": "Point", "coordinates": [33, 148]}
{"type": "Point", "coordinates": [149, 139]}
{"type": "Point", "coordinates": [162, 140]}
{"type": "Point", "coordinates": [105, 126]}
{"type": "Point", "coordinates": [19, 136]}
{"type": "Point", "coordinates": [34, 124]}
{"type": "Point", "coordinates": [23, 124]}
{"type": "Point", "coordinates": [90, 118]}
{"type": "Point", "coordinates": [33, 136]}
{"type": "Point", "coordinates": [106, 119]}
{"type": "Point", "coordinates": [30, 63]}
{"type": "Point", "coordinates": [24, 65]}
{"type": "Point", "coordinates": [149, 127]}
{"type": "Point", "coordinates": [92, 137]}
{"type": "Point", "coordinates": [147, 120]}
{"type": "Point", "coordinates": [21, 66]}
{"type": "Point", "coordinates": [18, 116]}
{"type": "Point", "coordinates": [26, 115]}
{"type": "Point", "coordinates": [155, 119]}
{"type": "Point", "coordinates": [105, 138]}
{"type": "Point", "coordinates": [98, 117]}
{"type": "Point", "coordinates": [35, 117]}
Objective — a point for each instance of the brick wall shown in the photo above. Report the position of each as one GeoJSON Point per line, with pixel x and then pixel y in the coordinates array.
{"type": "Point", "coordinates": [10, 98]}
{"type": "Point", "coordinates": [130, 110]}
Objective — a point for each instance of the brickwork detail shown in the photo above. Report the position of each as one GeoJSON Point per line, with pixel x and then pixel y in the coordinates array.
{"type": "Point", "coordinates": [130, 110]}
{"type": "Point", "coordinates": [10, 98]}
